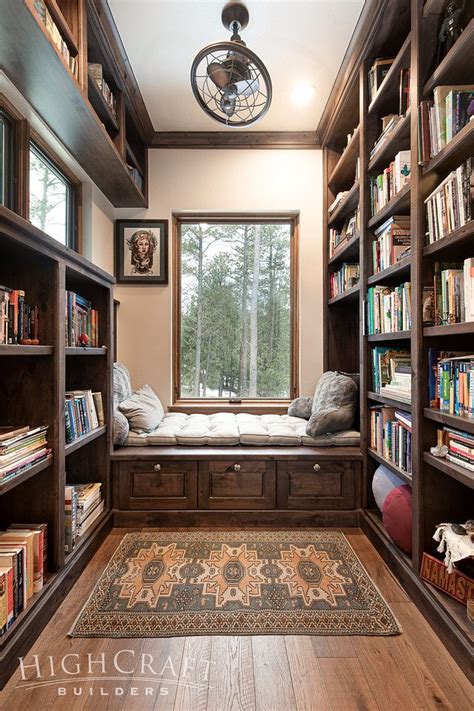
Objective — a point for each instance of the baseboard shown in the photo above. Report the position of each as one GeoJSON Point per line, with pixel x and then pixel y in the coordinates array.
{"type": "Point", "coordinates": [273, 518]}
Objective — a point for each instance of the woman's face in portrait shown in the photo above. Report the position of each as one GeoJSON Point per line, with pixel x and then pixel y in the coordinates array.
{"type": "Point", "coordinates": [143, 245]}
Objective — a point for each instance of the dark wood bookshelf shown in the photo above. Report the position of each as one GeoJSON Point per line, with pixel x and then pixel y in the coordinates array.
{"type": "Point", "coordinates": [400, 270]}
{"type": "Point", "coordinates": [132, 158]}
{"type": "Point", "coordinates": [456, 243]}
{"type": "Point", "coordinates": [347, 206]}
{"type": "Point", "coordinates": [348, 251]}
{"type": "Point", "coordinates": [387, 95]}
{"type": "Point", "coordinates": [440, 489]}
{"type": "Point", "coordinates": [60, 20]}
{"type": "Point", "coordinates": [20, 350]}
{"type": "Point", "coordinates": [81, 541]}
{"type": "Point", "coordinates": [84, 439]}
{"type": "Point", "coordinates": [390, 401]}
{"type": "Point", "coordinates": [101, 107]}
{"type": "Point", "coordinates": [33, 383]}
{"type": "Point", "coordinates": [397, 140]}
{"type": "Point", "coordinates": [79, 351]}
{"type": "Point", "coordinates": [399, 203]}
{"type": "Point", "coordinates": [344, 171]}
{"type": "Point", "coordinates": [454, 68]}
{"type": "Point", "coordinates": [349, 295]}
{"type": "Point", "coordinates": [461, 474]}
{"type": "Point", "coordinates": [18, 479]}
{"type": "Point", "coordinates": [445, 418]}
{"type": "Point", "coordinates": [390, 465]}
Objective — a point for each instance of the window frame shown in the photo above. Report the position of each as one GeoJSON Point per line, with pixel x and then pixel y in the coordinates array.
{"type": "Point", "coordinates": [74, 192]}
{"type": "Point", "coordinates": [210, 405]}
{"type": "Point", "coordinates": [9, 158]}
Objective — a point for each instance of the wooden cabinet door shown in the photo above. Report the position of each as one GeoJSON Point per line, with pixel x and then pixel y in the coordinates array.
{"type": "Point", "coordinates": [318, 485]}
{"type": "Point", "coordinates": [150, 485]}
{"type": "Point", "coordinates": [237, 484]}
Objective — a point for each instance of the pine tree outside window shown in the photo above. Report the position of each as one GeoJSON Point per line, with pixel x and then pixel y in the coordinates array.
{"type": "Point", "coordinates": [236, 309]}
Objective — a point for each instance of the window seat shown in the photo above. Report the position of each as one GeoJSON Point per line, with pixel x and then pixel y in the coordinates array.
{"type": "Point", "coordinates": [225, 429]}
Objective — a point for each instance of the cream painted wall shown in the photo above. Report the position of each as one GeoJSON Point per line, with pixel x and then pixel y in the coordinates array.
{"type": "Point", "coordinates": [221, 180]}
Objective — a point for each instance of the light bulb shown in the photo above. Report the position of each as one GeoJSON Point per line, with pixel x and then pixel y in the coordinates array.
{"type": "Point", "coordinates": [302, 93]}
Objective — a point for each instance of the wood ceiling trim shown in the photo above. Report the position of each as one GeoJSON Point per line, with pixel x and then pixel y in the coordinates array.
{"type": "Point", "coordinates": [226, 139]}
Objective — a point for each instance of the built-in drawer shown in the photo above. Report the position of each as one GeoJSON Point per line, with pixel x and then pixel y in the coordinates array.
{"type": "Point", "coordinates": [244, 484]}
{"type": "Point", "coordinates": [157, 485]}
{"type": "Point", "coordinates": [322, 484]}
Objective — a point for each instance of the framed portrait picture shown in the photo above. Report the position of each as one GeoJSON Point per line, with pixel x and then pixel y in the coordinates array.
{"type": "Point", "coordinates": [141, 251]}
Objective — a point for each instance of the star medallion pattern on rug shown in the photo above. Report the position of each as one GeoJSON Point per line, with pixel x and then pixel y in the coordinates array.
{"type": "Point", "coordinates": [285, 582]}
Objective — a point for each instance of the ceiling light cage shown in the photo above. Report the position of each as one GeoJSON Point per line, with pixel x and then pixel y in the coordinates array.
{"type": "Point", "coordinates": [229, 81]}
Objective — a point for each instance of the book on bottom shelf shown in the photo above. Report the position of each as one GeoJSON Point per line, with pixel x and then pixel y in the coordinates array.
{"type": "Point", "coordinates": [83, 506]}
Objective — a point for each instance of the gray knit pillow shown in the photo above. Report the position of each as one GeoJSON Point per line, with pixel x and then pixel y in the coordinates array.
{"type": "Point", "coordinates": [334, 404]}
{"type": "Point", "coordinates": [301, 407]}
{"type": "Point", "coordinates": [143, 410]}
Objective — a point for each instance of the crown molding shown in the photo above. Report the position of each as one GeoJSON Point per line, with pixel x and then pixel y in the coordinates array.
{"type": "Point", "coordinates": [229, 139]}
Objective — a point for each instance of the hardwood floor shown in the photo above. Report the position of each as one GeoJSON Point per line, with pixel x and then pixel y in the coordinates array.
{"type": "Point", "coordinates": [268, 673]}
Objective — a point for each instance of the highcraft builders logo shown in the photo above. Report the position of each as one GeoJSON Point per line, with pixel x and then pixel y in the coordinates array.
{"type": "Point", "coordinates": [125, 673]}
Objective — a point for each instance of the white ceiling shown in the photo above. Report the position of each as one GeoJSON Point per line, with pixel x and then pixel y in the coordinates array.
{"type": "Point", "coordinates": [298, 40]}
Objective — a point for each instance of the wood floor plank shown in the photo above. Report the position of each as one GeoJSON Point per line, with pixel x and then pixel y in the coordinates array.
{"type": "Point", "coordinates": [308, 685]}
{"type": "Point", "coordinates": [346, 686]}
{"type": "Point", "coordinates": [231, 681]}
{"type": "Point", "coordinates": [333, 647]}
{"type": "Point", "coordinates": [193, 684]}
{"type": "Point", "coordinates": [380, 575]}
{"type": "Point", "coordinates": [273, 682]}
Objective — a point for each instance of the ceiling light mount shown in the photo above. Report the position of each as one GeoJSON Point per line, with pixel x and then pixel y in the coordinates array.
{"type": "Point", "coordinates": [229, 81]}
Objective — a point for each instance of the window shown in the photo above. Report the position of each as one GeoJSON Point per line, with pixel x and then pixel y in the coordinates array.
{"type": "Point", "coordinates": [236, 295]}
{"type": "Point", "coordinates": [51, 198]}
{"type": "Point", "coordinates": [6, 160]}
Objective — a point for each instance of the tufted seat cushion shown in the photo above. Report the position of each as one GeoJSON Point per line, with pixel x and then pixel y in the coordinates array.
{"type": "Point", "coordinates": [225, 429]}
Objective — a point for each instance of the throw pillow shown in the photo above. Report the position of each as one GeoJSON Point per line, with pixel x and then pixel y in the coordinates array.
{"type": "Point", "coordinates": [143, 410]}
{"type": "Point", "coordinates": [334, 404]}
{"type": "Point", "coordinates": [301, 407]}
{"type": "Point", "coordinates": [121, 428]}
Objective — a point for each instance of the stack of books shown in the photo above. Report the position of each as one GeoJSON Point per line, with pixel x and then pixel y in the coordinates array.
{"type": "Point", "coordinates": [19, 322]}
{"type": "Point", "coordinates": [97, 74]}
{"type": "Point", "coordinates": [83, 412]}
{"type": "Point", "coordinates": [390, 435]}
{"type": "Point", "coordinates": [377, 73]}
{"type": "Point", "coordinates": [451, 382]}
{"type": "Point", "coordinates": [460, 447]}
{"type": "Point", "coordinates": [392, 242]}
{"type": "Point", "coordinates": [339, 238]}
{"type": "Point", "coordinates": [81, 319]}
{"type": "Point", "coordinates": [441, 119]}
{"type": "Point", "coordinates": [449, 206]}
{"type": "Point", "coordinates": [344, 279]}
{"type": "Point", "coordinates": [55, 34]}
{"type": "Point", "coordinates": [454, 292]}
{"type": "Point", "coordinates": [385, 186]}
{"type": "Point", "coordinates": [20, 449]}
{"type": "Point", "coordinates": [23, 567]}
{"type": "Point", "coordinates": [83, 505]}
{"type": "Point", "coordinates": [391, 372]}
{"type": "Point", "coordinates": [389, 309]}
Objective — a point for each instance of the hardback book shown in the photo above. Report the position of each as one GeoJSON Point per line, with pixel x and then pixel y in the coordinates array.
{"type": "Point", "coordinates": [25, 539]}
{"type": "Point", "coordinates": [8, 432]}
{"type": "Point", "coordinates": [40, 550]}
{"type": "Point", "coordinates": [7, 612]}
{"type": "Point", "coordinates": [14, 557]}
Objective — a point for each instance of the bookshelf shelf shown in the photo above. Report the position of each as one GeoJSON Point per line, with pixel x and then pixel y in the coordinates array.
{"type": "Point", "coordinates": [347, 206]}
{"type": "Point", "coordinates": [344, 171]}
{"type": "Point", "coordinates": [21, 478]}
{"type": "Point", "coordinates": [397, 271]}
{"type": "Point", "coordinates": [90, 533]}
{"type": "Point", "coordinates": [26, 350]}
{"type": "Point", "coordinates": [100, 106]}
{"type": "Point", "coordinates": [453, 244]}
{"type": "Point", "coordinates": [444, 418]}
{"type": "Point", "coordinates": [350, 250]}
{"type": "Point", "coordinates": [390, 465]}
{"type": "Point", "coordinates": [77, 351]}
{"type": "Point", "coordinates": [454, 610]}
{"type": "Point", "coordinates": [398, 140]}
{"type": "Point", "coordinates": [85, 439]}
{"type": "Point", "coordinates": [464, 476]}
{"type": "Point", "coordinates": [395, 336]}
{"type": "Point", "coordinates": [63, 25]}
{"type": "Point", "coordinates": [351, 294]}
{"type": "Point", "coordinates": [454, 67]}
{"type": "Point", "coordinates": [399, 203]}
{"type": "Point", "coordinates": [388, 92]}
{"type": "Point", "coordinates": [390, 401]}
{"type": "Point", "coordinates": [452, 155]}
{"type": "Point", "coordinates": [453, 329]}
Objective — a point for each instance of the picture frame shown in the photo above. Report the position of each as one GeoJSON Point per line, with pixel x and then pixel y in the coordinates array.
{"type": "Point", "coordinates": [141, 251]}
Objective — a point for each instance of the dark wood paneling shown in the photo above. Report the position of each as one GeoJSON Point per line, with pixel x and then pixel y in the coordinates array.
{"type": "Point", "coordinates": [239, 485]}
{"type": "Point", "coordinates": [238, 139]}
{"type": "Point", "coordinates": [332, 485]}
{"type": "Point", "coordinates": [157, 485]}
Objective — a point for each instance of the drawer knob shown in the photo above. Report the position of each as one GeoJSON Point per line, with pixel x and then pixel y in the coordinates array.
{"type": "Point", "coordinates": [237, 467]}
{"type": "Point", "coordinates": [157, 467]}
{"type": "Point", "coordinates": [316, 467]}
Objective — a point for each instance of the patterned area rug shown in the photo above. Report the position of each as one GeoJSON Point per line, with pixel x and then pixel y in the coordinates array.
{"type": "Point", "coordinates": [169, 584]}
